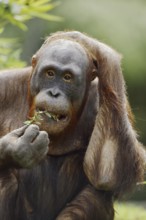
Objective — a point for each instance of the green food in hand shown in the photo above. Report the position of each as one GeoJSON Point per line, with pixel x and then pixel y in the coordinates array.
{"type": "Point", "coordinates": [37, 117]}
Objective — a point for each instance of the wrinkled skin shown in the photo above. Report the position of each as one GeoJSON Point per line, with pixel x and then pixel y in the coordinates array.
{"type": "Point", "coordinates": [16, 144]}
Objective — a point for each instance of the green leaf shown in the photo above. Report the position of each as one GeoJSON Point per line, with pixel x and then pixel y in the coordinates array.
{"type": "Point", "coordinates": [28, 122]}
{"type": "Point", "coordinates": [46, 16]}
{"type": "Point", "coordinates": [48, 114]}
{"type": "Point", "coordinates": [41, 2]}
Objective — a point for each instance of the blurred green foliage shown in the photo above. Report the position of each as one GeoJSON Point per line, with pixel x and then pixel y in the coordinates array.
{"type": "Point", "coordinates": [17, 13]}
{"type": "Point", "coordinates": [130, 211]}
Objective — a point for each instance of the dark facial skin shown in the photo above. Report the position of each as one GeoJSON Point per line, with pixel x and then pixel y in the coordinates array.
{"type": "Point", "coordinates": [59, 83]}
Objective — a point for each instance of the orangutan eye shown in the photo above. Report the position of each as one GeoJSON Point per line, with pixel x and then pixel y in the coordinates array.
{"type": "Point", "coordinates": [67, 77]}
{"type": "Point", "coordinates": [50, 74]}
